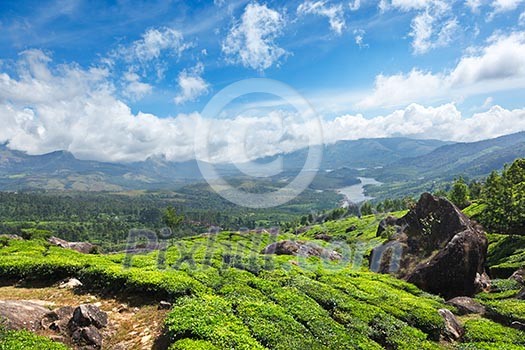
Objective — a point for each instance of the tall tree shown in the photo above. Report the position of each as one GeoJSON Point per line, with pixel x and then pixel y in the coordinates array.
{"type": "Point", "coordinates": [459, 194]}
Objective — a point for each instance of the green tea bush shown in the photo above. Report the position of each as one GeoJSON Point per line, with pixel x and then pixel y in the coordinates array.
{"type": "Point", "coordinates": [21, 340]}
{"type": "Point", "coordinates": [209, 318]}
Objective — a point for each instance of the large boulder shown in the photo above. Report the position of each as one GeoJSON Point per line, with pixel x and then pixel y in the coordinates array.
{"type": "Point", "coordinates": [82, 247]}
{"type": "Point", "coordinates": [436, 247]}
{"type": "Point", "coordinates": [466, 305]}
{"type": "Point", "coordinates": [299, 248]}
{"type": "Point", "coordinates": [20, 314]}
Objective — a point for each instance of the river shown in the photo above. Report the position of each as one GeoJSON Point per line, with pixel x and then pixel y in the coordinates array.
{"type": "Point", "coordinates": [356, 193]}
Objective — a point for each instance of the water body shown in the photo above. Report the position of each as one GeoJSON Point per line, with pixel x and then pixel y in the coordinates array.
{"type": "Point", "coordinates": [356, 193]}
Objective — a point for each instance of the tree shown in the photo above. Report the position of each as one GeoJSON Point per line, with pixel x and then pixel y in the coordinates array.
{"type": "Point", "coordinates": [171, 219]}
{"type": "Point", "coordinates": [459, 195]}
{"type": "Point", "coordinates": [367, 209]}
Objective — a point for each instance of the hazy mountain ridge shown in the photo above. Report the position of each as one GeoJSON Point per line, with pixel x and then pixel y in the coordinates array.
{"type": "Point", "coordinates": [387, 159]}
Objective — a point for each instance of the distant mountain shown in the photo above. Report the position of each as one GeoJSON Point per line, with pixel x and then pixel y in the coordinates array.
{"type": "Point", "coordinates": [62, 171]}
{"type": "Point", "coordinates": [387, 159]}
{"type": "Point", "coordinates": [362, 153]}
{"type": "Point", "coordinates": [464, 158]}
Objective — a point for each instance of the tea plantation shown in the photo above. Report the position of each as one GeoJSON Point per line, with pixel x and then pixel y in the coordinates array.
{"type": "Point", "coordinates": [226, 295]}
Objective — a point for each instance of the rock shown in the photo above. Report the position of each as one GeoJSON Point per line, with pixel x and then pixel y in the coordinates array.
{"type": "Point", "coordinates": [71, 283]}
{"type": "Point", "coordinates": [88, 315]}
{"type": "Point", "coordinates": [519, 276]}
{"type": "Point", "coordinates": [13, 237]}
{"type": "Point", "coordinates": [82, 247]}
{"type": "Point", "coordinates": [351, 228]}
{"type": "Point", "coordinates": [466, 305]}
{"type": "Point", "coordinates": [453, 330]}
{"type": "Point", "coordinates": [482, 282]}
{"type": "Point", "coordinates": [385, 224]}
{"type": "Point", "coordinates": [87, 336]}
{"type": "Point", "coordinates": [323, 237]}
{"type": "Point", "coordinates": [518, 325]}
{"type": "Point", "coordinates": [58, 319]}
{"type": "Point", "coordinates": [300, 248]}
{"type": "Point", "coordinates": [436, 247]}
{"type": "Point", "coordinates": [164, 305]}
{"type": "Point", "coordinates": [22, 314]}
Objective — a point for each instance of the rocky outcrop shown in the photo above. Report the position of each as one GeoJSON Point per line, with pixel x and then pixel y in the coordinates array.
{"type": "Point", "coordinates": [58, 319]}
{"type": "Point", "coordinates": [21, 314]}
{"type": "Point", "coordinates": [453, 329]}
{"type": "Point", "coordinates": [323, 237]}
{"type": "Point", "coordinates": [466, 305]}
{"type": "Point", "coordinates": [82, 247]}
{"type": "Point", "coordinates": [436, 247]}
{"type": "Point", "coordinates": [299, 248]}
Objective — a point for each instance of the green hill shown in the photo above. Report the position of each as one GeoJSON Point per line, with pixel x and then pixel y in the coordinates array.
{"type": "Point", "coordinates": [226, 294]}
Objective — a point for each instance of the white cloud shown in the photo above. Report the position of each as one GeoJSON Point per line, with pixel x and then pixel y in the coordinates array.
{"type": "Point", "coordinates": [501, 6]}
{"type": "Point", "coordinates": [251, 41]}
{"type": "Point", "coordinates": [154, 42]}
{"type": "Point", "coordinates": [521, 20]}
{"type": "Point", "coordinates": [444, 122]}
{"type": "Point", "coordinates": [501, 62]}
{"type": "Point", "coordinates": [134, 88]}
{"type": "Point", "coordinates": [359, 35]}
{"type": "Point", "coordinates": [355, 5]}
{"type": "Point", "coordinates": [433, 26]}
{"type": "Point", "coordinates": [474, 5]}
{"type": "Point", "coordinates": [334, 13]}
{"type": "Point", "coordinates": [191, 84]}
{"type": "Point", "coordinates": [47, 108]}
{"type": "Point", "coordinates": [407, 5]}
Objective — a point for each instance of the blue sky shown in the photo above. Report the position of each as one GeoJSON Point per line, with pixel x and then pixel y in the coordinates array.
{"type": "Point", "coordinates": [431, 67]}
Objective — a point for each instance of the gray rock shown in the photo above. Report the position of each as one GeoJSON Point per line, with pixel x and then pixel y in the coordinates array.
{"type": "Point", "coordinates": [88, 315]}
{"type": "Point", "coordinates": [58, 319]}
{"type": "Point", "coordinates": [466, 305]}
{"type": "Point", "coordinates": [164, 305]}
{"type": "Point", "coordinates": [82, 247]}
{"type": "Point", "coordinates": [22, 314]}
{"type": "Point", "coordinates": [87, 336]}
{"type": "Point", "coordinates": [300, 248]}
{"type": "Point", "coordinates": [453, 329]}
{"type": "Point", "coordinates": [71, 283]}
{"type": "Point", "coordinates": [436, 247]}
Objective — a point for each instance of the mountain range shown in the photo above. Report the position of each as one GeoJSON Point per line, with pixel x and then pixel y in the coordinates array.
{"type": "Point", "coordinates": [386, 159]}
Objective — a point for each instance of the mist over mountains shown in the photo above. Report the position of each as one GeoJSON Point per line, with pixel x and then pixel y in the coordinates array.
{"type": "Point", "coordinates": [387, 159]}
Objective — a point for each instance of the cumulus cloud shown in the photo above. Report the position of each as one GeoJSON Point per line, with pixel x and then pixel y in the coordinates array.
{"type": "Point", "coordinates": [191, 84]}
{"type": "Point", "coordinates": [252, 40]}
{"type": "Point", "coordinates": [433, 26]}
{"type": "Point", "coordinates": [153, 42]}
{"type": "Point", "coordinates": [44, 108]}
{"type": "Point", "coordinates": [501, 6]}
{"type": "Point", "coordinates": [334, 13]}
{"type": "Point", "coordinates": [444, 122]}
{"type": "Point", "coordinates": [134, 88]}
{"type": "Point", "coordinates": [501, 61]}
{"type": "Point", "coordinates": [521, 20]}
